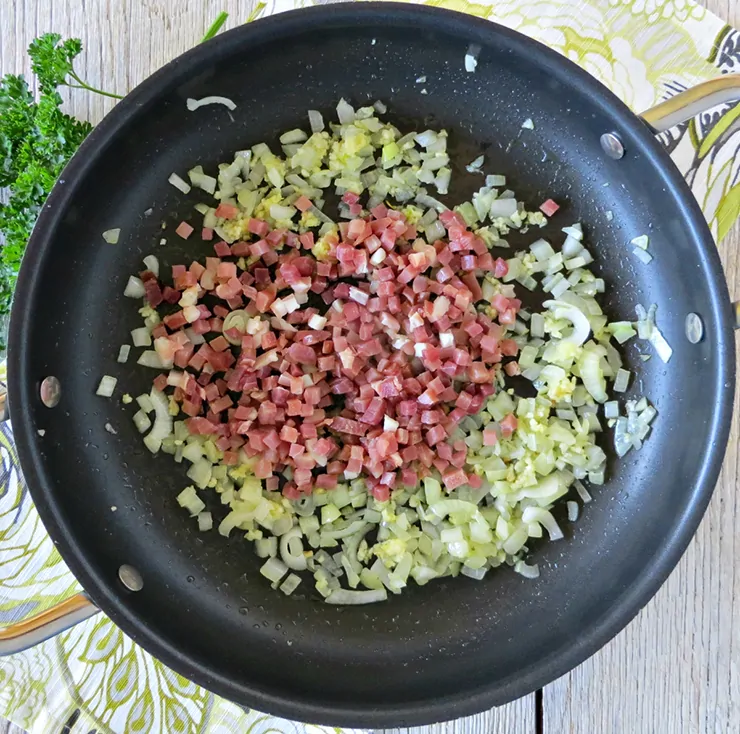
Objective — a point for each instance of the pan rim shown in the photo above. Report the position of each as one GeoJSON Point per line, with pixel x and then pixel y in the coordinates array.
{"type": "Point", "coordinates": [355, 714]}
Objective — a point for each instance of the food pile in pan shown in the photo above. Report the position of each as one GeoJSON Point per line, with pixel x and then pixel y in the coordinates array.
{"type": "Point", "coordinates": [350, 375]}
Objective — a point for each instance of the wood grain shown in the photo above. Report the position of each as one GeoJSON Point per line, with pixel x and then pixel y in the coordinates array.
{"type": "Point", "coordinates": [515, 718]}
{"type": "Point", "coordinates": [676, 668]}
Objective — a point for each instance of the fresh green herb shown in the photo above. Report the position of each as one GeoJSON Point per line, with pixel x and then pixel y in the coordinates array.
{"type": "Point", "coordinates": [256, 12]}
{"type": "Point", "coordinates": [215, 27]}
{"type": "Point", "coordinates": [36, 141]}
{"type": "Point", "coordinates": [52, 60]}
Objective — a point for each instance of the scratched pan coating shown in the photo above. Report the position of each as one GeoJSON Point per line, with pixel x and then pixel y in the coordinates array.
{"type": "Point", "coordinates": [453, 647]}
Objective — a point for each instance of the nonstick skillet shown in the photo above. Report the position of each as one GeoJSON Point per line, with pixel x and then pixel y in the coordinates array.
{"type": "Point", "coordinates": [196, 601]}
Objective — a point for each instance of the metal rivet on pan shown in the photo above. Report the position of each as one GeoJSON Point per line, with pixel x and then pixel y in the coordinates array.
{"type": "Point", "coordinates": [694, 328]}
{"type": "Point", "coordinates": [612, 145]}
{"type": "Point", "coordinates": [50, 392]}
{"type": "Point", "coordinates": [130, 578]}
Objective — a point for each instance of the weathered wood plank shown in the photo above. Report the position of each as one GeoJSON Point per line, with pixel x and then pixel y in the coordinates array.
{"type": "Point", "coordinates": [516, 718]}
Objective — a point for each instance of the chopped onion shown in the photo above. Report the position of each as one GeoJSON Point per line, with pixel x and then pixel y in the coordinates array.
{"type": "Point", "coordinates": [278, 212]}
{"type": "Point", "coordinates": [123, 353]}
{"type": "Point", "coordinates": [475, 166]}
{"type": "Point", "coordinates": [542, 516]}
{"type": "Point", "coordinates": [291, 550]}
{"type": "Point", "coordinates": [111, 236]}
{"type": "Point", "coordinates": [593, 376]}
{"type": "Point", "coordinates": [316, 121]}
{"type": "Point", "coordinates": [581, 325]}
{"type": "Point", "coordinates": [141, 337]}
{"type": "Point", "coordinates": [573, 232]}
{"type": "Point", "coordinates": [442, 181]}
{"type": "Point", "coordinates": [142, 421]}
{"type": "Point", "coordinates": [642, 255]}
{"type": "Point", "coordinates": [345, 596]}
{"type": "Point", "coordinates": [151, 359]}
{"type": "Point", "coordinates": [293, 136]}
{"type": "Point", "coordinates": [189, 499]}
{"type": "Point", "coordinates": [205, 521]}
{"type": "Point", "coordinates": [152, 264]}
{"type": "Point", "coordinates": [433, 232]}
{"type": "Point", "coordinates": [662, 347]}
{"type": "Point", "coordinates": [471, 57]}
{"type": "Point", "coordinates": [197, 339]}
{"type": "Point", "coordinates": [107, 386]}
{"type": "Point", "coordinates": [427, 138]}
{"type": "Point", "coordinates": [644, 322]}
{"type": "Point", "coordinates": [622, 331]}
{"type": "Point", "coordinates": [505, 208]}
{"type": "Point", "coordinates": [640, 242]}
{"type": "Point", "coordinates": [145, 403]}
{"type": "Point", "coordinates": [162, 418]}
{"type": "Point", "coordinates": [582, 491]}
{"type": "Point", "coordinates": [529, 572]}
{"type": "Point", "coordinates": [429, 201]}
{"type": "Point", "coordinates": [274, 570]}
{"type": "Point", "coordinates": [473, 573]}
{"type": "Point", "coordinates": [194, 104]}
{"type": "Point", "coordinates": [345, 112]}
{"type": "Point", "coordinates": [290, 584]}
{"type": "Point", "coordinates": [152, 443]}
{"type": "Point", "coordinates": [134, 288]}
{"type": "Point", "coordinates": [648, 414]}
{"type": "Point", "coordinates": [204, 182]}
{"type": "Point", "coordinates": [622, 439]}
{"type": "Point", "coordinates": [537, 326]}
{"type": "Point", "coordinates": [266, 547]}
{"type": "Point", "coordinates": [573, 510]}
{"type": "Point", "coordinates": [528, 124]}
{"type": "Point", "coordinates": [559, 288]}
{"type": "Point", "coordinates": [320, 215]}
{"type": "Point", "coordinates": [178, 183]}
{"type": "Point", "coordinates": [621, 381]}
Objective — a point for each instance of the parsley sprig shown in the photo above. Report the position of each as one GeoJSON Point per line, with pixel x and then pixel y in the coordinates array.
{"type": "Point", "coordinates": [52, 61]}
{"type": "Point", "coordinates": [37, 140]}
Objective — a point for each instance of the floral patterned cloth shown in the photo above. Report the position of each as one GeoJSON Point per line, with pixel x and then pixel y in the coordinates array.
{"type": "Point", "coordinates": [93, 678]}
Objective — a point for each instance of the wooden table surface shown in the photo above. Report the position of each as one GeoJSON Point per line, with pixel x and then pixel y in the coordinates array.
{"type": "Point", "coordinates": [676, 668]}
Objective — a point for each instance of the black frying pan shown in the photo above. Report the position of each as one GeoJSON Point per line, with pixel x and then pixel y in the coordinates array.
{"type": "Point", "coordinates": [455, 646]}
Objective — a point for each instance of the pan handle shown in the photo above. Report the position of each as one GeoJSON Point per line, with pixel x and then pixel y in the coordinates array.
{"type": "Point", "coordinates": [49, 623]}
{"type": "Point", "coordinates": [688, 104]}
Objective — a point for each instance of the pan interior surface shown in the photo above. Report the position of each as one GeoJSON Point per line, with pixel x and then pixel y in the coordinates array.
{"type": "Point", "coordinates": [454, 646]}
